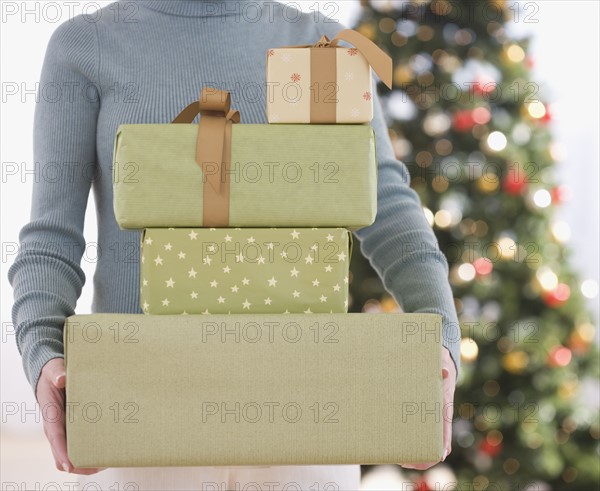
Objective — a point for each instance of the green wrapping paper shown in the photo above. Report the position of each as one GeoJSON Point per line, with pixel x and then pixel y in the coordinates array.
{"type": "Point", "coordinates": [250, 270]}
{"type": "Point", "coordinates": [281, 175]}
{"type": "Point", "coordinates": [220, 390]}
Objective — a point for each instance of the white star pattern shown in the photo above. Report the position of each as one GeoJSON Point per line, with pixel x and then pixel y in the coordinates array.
{"type": "Point", "coordinates": [308, 288]}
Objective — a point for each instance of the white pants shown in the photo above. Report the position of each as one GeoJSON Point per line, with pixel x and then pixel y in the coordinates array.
{"type": "Point", "coordinates": [275, 478]}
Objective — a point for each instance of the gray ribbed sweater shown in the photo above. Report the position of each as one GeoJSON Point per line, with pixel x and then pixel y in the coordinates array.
{"type": "Point", "coordinates": [142, 61]}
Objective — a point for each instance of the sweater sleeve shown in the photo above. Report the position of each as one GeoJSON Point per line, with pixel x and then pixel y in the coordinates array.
{"type": "Point", "coordinates": [46, 275]}
{"type": "Point", "coordinates": [401, 246]}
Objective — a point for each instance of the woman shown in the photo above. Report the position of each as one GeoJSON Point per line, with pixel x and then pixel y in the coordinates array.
{"type": "Point", "coordinates": [142, 61]}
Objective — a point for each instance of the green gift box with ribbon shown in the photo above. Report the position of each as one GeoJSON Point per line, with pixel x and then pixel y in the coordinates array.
{"type": "Point", "coordinates": [220, 174]}
{"type": "Point", "coordinates": [249, 270]}
{"type": "Point", "coordinates": [253, 389]}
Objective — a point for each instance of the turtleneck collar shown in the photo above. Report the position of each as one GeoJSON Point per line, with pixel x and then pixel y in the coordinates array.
{"type": "Point", "coordinates": [198, 8]}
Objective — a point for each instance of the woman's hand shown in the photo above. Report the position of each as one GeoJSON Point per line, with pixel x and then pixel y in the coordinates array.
{"type": "Point", "coordinates": [50, 394]}
{"type": "Point", "coordinates": [448, 384]}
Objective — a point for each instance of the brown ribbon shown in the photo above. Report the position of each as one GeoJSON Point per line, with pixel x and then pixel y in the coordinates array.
{"type": "Point", "coordinates": [323, 69]}
{"type": "Point", "coordinates": [213, 151]}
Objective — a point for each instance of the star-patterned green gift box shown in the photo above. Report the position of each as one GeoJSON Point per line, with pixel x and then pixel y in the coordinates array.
{"type": "Point", "coordinates": [249, 270]}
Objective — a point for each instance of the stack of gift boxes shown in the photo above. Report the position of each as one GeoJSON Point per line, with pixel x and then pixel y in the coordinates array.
{"type": "Point", "coordinates": [292, 268]}
{"type": "Point", "coordinates": [249, 226]}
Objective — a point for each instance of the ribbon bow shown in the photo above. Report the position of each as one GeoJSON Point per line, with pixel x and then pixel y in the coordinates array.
{"type": "Point", "coordinates": [380, 62]}
{"type": "Point", "coordinates": [213, 150]}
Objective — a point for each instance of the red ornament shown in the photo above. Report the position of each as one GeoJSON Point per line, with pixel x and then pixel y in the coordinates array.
{"type": "Point", "coordinates": [547, 117]}
{"type": "Point", "coordinates": [420, 484]}
{"type": "Point", "coordinates": [559, 357]}
{"type": "Point", "coordinates": [483, 266]}
{"type": "Point", "coordinates": [462, 121]}
{"type": "Point", "coordinates": [558, 296]}
{"type": "Point", "coordinates": [490, 448]}
{"type": "Point", "coordinates": [559, 194]}
{"type": "Point", "coordinates": [515, 181]}
{"type": "Point", "coordinates": [484, 86]}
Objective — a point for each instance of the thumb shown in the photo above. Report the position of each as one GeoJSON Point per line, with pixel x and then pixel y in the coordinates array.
{"type": "Point", "coordinates": [445, 373]}
{"type": "Point", "coordinates": [55, 371]}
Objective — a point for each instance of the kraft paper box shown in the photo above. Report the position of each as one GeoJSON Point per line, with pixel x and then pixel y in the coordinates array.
{"type": "Point", "coordinates": [254, 389]}
{"type": "Point", "coordinates": [291, 90]}
{"type": "Point", "coordinates": [280, 175]}
{"type": "Point", "coordinates": [250, 270]}
{"type": "Point", "coordinates": [325, 82]}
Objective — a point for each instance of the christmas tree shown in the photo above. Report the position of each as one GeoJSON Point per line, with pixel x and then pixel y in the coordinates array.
{"type": "Point", "coordinates": [473, 129]}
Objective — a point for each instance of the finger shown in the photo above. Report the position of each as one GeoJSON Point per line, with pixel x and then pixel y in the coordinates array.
{"type": "Point", "coordinates": [85, 471]}
{"type": "Point", "coordinates": [448, 416]}
{"type": "Point", "coordinates": [54, 426]}
{"type": "Point", "coordinates": [55, 372]}
{"type": "Point", "coordinates": [445, 373]}
{"type": "Point", "coordinates": [418, 467]}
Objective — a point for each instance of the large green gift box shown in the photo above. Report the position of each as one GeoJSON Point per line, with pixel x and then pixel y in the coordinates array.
{"type": "Point", "coordinates": [253, 389]}
{"type": "Point", "coordinates": [280, 176]}
{"type": "Point", "coordinates": [249, 270]}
